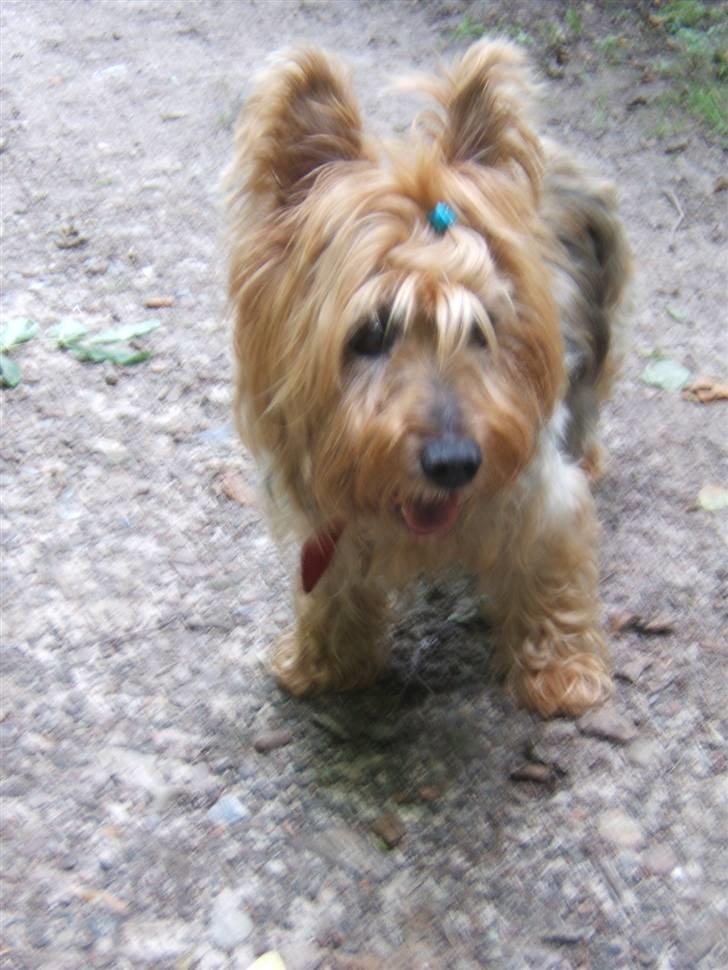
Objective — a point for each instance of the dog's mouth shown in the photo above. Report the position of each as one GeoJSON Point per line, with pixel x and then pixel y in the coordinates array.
{"type": "Point", "coordinates": [426, 517]}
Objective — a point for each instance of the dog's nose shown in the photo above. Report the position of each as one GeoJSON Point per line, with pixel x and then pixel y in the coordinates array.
{"type": "Point", "coordinates": [450, 461]}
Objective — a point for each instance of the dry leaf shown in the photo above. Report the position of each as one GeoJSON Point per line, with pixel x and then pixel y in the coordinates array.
{"type": "Point", "coordinates": [704, 390]}
{"type": "Point", "coordinates": [159, 302]}
{"type": "Point", "coordinates": [268, 961]}
{"type": "Point", "coordinates": [650, 626]}
{"type": "Point", "coordinates": [713, 498]}
{"type": "Point", "coordinates": [102, 897]}
{"type": "Point", "coordinates": [236, 488]}
{"type": "Point", "coordinates": [621, 621]}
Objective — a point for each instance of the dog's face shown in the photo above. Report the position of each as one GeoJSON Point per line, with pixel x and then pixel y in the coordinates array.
{"type": "Point", "coordinates": [385, 369]}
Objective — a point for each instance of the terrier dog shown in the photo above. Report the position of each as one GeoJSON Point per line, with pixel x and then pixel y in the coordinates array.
{"type": "Point", "coordinates": [424, 332]}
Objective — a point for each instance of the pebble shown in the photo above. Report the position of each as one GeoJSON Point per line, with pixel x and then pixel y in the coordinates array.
{"type": "Point", "coordinates": [270, 740]}
{"type": "Point", "coordinates": [345, 848]}
{"type": "Point", "coordinates": [534, 771]}
{"type": "Point", "coordinates": [607, 723]}
{"type": "Point", "coordinates": [567, 934]}
{"type": "Point", "coordinates": [645, 753]}
{"type": "Point", "coordinates": [659, 860]}
{"type": "Point", "coordinates": [227, 810]}
{"type": "Point", "coordinates": [620, 829]}
{"type": "Point", "coordinates": [230, 925]}
{"type": "Point", "coordinates": [388, 826]}
{"type": "Point", "coordinates": [631, 670]}
{"type": "Point", "coordinates": [332, 725]}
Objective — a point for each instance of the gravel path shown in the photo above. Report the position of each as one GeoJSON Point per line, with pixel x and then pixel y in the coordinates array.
{"type": "Point", "coordinates": [163, 805]}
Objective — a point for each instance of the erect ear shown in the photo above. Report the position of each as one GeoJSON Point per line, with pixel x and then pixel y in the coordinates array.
{"type": "Point", "coordinates": [487, 98]}
{"type": "Point", "coordinates": [301, 116]}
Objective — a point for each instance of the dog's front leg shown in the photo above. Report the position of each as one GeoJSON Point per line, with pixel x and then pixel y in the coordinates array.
{"type": "Point", "coordinates": [550, 642]}
{"type": "Point", "coordinates": [337, 643]}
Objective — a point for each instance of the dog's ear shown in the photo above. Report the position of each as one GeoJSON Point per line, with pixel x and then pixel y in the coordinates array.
{"type": "Point", "coordinates": [301, 117]}
{"type": "Point", "coordinates": [487, 99]}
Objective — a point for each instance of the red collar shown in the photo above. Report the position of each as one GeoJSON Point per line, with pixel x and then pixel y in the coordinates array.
{"type": "Point", "coordinates": [317, 553]}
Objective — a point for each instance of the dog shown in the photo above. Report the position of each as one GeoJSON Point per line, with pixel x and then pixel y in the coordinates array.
{"type": "Point", "coordinates": [424, 331]}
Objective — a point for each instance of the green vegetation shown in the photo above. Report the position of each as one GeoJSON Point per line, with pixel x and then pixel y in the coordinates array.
{"type": "Point", "coordinates": [698, 34]}
{"type": "Point", "coordinates": [12, 335]}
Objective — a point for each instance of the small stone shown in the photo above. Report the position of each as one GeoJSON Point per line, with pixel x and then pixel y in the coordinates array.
{"type": "Point", "coordinates": [333, 725]}
{"type": "Point", "coordinates": [227, 810]}
{"type": "Point", "coordinates": [534, 771]}
{"type": "Point", "coordinates": [389, 828]}
{"type": "Point", "coordinates": [567, 934]}
{"type": "Point", "coordinates": [631, 670]}
{"type": "Point", "coordinates": [620, 829]}
{"type": "Point", "coordinates": [659, 860]}
{"type": "Point", "coordinates": [342, 847]}
{"type": "Point", "coordinates": [111, 377]}
{"type": "Point", "coordinates": [431, 793]}
{"type": "Point", "coordinates": [644, 752]}
{"type": "Point", "coordinates": [229, 924]}
{"type": "Point", "coordinates": [270, 740]}
{"type": "Point", "coordinates": [113, 451]}
{"type": "Point", "coordinates": [607, 723]}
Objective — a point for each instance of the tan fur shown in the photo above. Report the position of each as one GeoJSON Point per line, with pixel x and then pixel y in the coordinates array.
{"type": "Point", "coordinates": [327, 229]}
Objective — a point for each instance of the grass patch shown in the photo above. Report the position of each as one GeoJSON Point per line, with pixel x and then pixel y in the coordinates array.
{"type": "Point", "coordinates": [469, 28]}
{"type": "Point", "coordinates": [697, 33]}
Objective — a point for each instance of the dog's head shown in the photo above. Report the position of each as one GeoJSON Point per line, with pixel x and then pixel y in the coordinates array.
{"type": "Point", "coordinates": [390, 365]}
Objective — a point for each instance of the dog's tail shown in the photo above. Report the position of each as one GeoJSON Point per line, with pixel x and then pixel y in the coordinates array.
{"type": "Point", "coordinates": [591, 260]}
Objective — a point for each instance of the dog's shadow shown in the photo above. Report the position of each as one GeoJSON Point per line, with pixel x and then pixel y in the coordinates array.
{"type": "Point", "coordinates": [422, 719]}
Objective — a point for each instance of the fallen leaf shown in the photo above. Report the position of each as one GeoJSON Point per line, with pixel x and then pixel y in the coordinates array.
{"type": "Point", "coordinates": [268, 961]}
{"type": "Point", "coordinates": [9, 372]}
{"type": "Point", "coordinates": [126, 331]}
{"type": "Point", "coordinates": [666, 373]}
{"type": "Point", "coordinates": [637, 102]}
{"type": "Point", "coordinates": [70, 238]}
{"type": "Point", "coordinates": [621, 621]}
{"type": "Point", "coordinates": [677, 314]}
{"type": "Point", "coordinates": [159, 302]}
{"type": "Point", "coordinates": [124, 356]}
{"type": "Point", "coordinates": [721, 184]}
{"type": "Point", "coordinates": [102, 897]}
{"type": "Point", "coordinates": [713, 498]}
{"type": "Point", "coordinates": [236, 488]}
{"type": "Point", "coordinates": [705, 390]}
{"type": "Point", "coordinates": [67, 331]}
{"type": "Point", "coordinates": [651, 626]}
{"type": "Point", "coordinates": [16, 332]}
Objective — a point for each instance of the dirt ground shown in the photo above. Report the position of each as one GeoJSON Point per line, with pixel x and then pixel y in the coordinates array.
{"type": "Point", "coordinates": [163, 805]}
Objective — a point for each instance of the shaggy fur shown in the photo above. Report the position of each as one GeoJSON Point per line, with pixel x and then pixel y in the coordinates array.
{"type": "Point", "coordinates": [362, 336]}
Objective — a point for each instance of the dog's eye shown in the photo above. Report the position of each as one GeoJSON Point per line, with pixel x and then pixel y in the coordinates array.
{"type": "Point", "coordinates": [477, 335]}
{"type": "Point", "coordinates": [375, 337]}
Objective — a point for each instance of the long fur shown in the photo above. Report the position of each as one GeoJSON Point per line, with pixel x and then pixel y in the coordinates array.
{"type": "Point", "coordinates": [505, 328]}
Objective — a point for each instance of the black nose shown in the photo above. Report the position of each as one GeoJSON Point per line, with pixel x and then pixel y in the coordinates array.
{"type": "Point", "coordinates": [450, 462]}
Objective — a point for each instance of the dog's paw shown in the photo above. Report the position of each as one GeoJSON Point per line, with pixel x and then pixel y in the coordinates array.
{"type": "Point", "coordinates": [568, 684]}
{"type": "Point", "coordinates": [304, 668]}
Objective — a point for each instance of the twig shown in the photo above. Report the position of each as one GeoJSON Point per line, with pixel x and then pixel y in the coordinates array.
{"type": "Point", "coordinates": [669, 194]}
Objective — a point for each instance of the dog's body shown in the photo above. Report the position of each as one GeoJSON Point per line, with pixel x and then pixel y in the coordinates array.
{"type": "Point", "coordinates": [422, 346]}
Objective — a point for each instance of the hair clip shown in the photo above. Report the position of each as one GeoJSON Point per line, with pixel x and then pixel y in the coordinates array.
{"type": "Point", "coordinates": [441, 218]}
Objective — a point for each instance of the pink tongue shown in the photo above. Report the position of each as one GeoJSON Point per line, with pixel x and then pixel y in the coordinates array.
{"type": "Point", "coordinates": [426, 518]}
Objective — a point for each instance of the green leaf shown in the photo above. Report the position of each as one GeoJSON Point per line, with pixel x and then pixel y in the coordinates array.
{"type": "Point", "coordinates": [16, 332]}
{"type": "Point", "coordinates": [9, 372]}
{"type": "Point", "coordinates": [124, 356]}
{"type": "Point", "coordinates": [126, 331]}
{"type": "Point", "coordinates": [677, 314]}
{"type": "Point", "coordinates": [713, 498]}
{"type": "Point", "coordinates": [67, 332]}
{"type": "Point", "coordinates": [666, 373]}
